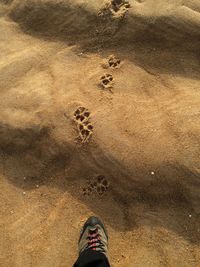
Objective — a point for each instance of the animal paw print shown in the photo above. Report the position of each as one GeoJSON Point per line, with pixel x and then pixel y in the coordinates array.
{"type": "Point", "coordinates": [82, 119]}
{"type": "Point", "coordinates": [119, 5]}
{"type": "Point", "coordinates": [102, 184]}
{"type": "Point", "coordinates": [107, 81]}
{"type": "Point", "coordinates": [113, 61]}
{"type": "Point", "coordinates": [115, 8]}
{"type": "Point", "coordinates": [87, 191]}
{"type": "Point", "coordinates": [99, 184]}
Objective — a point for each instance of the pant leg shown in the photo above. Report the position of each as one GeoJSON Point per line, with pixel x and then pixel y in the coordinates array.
{"type": "Point", "coordinates": [91, 258]}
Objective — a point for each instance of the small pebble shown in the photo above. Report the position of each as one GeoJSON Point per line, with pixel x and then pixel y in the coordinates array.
{"type": "Point", "coordinates": [24, 193]}
{"type": "Point", "coordinates": [24, 178]}
{"type": "Point", "coordinates": [37, 185]}
{"type": "Point", "coordinates": [152, 173]}
{"type": "Point", "coordinates": [190, 215]}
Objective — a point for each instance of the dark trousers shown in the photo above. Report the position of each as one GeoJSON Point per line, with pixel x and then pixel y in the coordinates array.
{"type": "Point", "coordinates": [91, 258]}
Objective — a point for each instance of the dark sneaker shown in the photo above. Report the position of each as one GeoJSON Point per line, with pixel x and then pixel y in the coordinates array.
{"type": "Point", "coordinates": [93, 236]}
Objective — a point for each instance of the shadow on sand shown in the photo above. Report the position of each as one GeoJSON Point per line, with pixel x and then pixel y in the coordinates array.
{"type": "Point", "coordinates": [170, 196]}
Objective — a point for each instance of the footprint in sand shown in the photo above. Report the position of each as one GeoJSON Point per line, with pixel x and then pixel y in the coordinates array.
{"type": "Point", "coordinates": [84, 126]}
{"type": "Point", "coordinates": [120, 5]}
{"type": "Point", "coordinates": [106, 81]}
{"type": "Point", "coordinates": [114, 62]}
{"type": "Point", "coordinates": [111, 62]}
{"type": "Point", "coordinates": [116, 8]}
{"type": "Point", "coordinates": [98, 184]}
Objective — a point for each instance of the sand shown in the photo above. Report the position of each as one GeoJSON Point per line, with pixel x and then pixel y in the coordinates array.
{"type": "Point", "coordinates": [132, 71]}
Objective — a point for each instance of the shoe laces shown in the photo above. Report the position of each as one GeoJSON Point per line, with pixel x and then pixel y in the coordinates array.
{"type": "Point", "coordinates": [94, 240]}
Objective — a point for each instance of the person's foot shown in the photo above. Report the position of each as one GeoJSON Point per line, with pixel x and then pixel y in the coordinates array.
{"type": "Point", "coordinates": [93, 236]}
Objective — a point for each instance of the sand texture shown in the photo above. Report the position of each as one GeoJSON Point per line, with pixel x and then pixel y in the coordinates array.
{"type": "Point", "coordinates": [100, 115]}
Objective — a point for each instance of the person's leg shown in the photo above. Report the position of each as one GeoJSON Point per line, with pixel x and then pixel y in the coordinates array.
{"type": "Point", "coordinates": [92, 259]}
{"type": "Point", "coordinates": [93, 245]}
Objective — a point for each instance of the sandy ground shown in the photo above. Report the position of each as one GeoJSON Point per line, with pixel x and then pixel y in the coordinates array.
{"type": "Point", "coordinates": [144, 141]}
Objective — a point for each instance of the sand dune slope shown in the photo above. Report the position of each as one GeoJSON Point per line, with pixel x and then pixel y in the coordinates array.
{"type": "Point", "coordinates": [140, 131]}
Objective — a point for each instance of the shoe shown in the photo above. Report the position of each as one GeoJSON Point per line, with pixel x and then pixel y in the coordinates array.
{"type": "Point", "coordinates": [93, 236]}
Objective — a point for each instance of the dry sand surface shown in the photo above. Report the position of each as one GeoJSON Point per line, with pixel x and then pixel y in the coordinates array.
{"type": "Point", "coordinates": [73, 117]}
